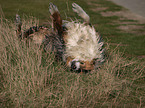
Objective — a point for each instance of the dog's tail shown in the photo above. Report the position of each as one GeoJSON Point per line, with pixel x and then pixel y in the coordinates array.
{"type": "Point", "coordinates": [76, 8]}
{"type": "Point", "coordinates": [56, 18]}
{"type": "Point", "coordinates": [18, 26]}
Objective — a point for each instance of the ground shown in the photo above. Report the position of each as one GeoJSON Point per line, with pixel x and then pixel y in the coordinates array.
{"type": "Point", "coordinates": [32, 78]}
{"type": "Point", "coordinates": [128, 21]}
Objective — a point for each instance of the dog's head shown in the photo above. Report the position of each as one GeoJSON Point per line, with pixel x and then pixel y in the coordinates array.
{"type": "Point", "coordinates": [83, 47]}
{"type": "Point", "coordinates": [76, 64]}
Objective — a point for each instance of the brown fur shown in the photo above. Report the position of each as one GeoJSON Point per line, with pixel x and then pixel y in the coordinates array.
{"type": "Point", "coordinates": [87, 65]}
{"type": "Point", "coordinates": [57, 23]}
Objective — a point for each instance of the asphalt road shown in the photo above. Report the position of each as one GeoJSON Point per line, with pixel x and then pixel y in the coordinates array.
{"type": "Point", "coordinates": [135, 6]}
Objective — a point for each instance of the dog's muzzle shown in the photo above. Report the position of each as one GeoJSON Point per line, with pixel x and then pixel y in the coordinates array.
{"type": "Point", "coordinates": [74, 64]}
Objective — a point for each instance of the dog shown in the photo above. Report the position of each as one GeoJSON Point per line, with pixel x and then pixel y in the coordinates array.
{"type": "Point", "coordinates": [75, 43]}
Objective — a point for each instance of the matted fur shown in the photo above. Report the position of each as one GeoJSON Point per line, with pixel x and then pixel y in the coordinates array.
{"type": "Point", "coordinates": [83, 42]}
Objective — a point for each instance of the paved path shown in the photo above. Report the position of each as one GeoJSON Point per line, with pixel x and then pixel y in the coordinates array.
{"type": "Point", "coordinates": [136, 6]}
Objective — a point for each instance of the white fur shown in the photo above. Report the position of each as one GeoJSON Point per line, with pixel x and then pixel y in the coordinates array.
{"type": "Point", "coordinates": [77, 65]}
{"type": "Point", "coordinates": [82, 42]}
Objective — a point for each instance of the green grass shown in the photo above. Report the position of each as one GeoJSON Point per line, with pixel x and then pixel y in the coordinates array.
{"type": "Point", "coordinates": [32, 78]}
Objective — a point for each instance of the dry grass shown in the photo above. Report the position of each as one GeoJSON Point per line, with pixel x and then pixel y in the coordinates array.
{"type": "Point", "coordinates": [31, 77]}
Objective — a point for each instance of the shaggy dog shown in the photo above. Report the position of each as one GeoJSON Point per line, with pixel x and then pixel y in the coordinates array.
{"type": "Point", "coordinates": [76, 43]}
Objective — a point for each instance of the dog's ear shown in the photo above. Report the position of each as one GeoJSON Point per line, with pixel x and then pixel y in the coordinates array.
{"type": "Point", "coordinates": [56, 18]}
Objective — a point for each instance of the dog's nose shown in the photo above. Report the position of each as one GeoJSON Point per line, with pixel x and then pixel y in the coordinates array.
{"type": "Point", "coordinates": [75, 65]}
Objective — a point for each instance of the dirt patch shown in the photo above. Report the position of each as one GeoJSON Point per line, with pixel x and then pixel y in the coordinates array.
{"type": "Point", "coordinates": [122, 22]}
{"type": "Point", "coordinates": [126, 14]}
{"type": "Point", "coordinates": [93, 4]}
{"type": "Point", "coordinates": [130, 28]}
{"type": "Point", "coordinates": [142, 56]}
{"type": "Point", "coordinates": [116, 44]}
{"type": "Point", "coordinates": [99, 9]}
{"type": "Point", "coordinates": [96, 7]}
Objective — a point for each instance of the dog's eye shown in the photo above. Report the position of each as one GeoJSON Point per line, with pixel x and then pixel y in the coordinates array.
{"type": "Point", "coordinates": [94, 61]}
{"type": "Point", "coordinates": [82, 63]}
